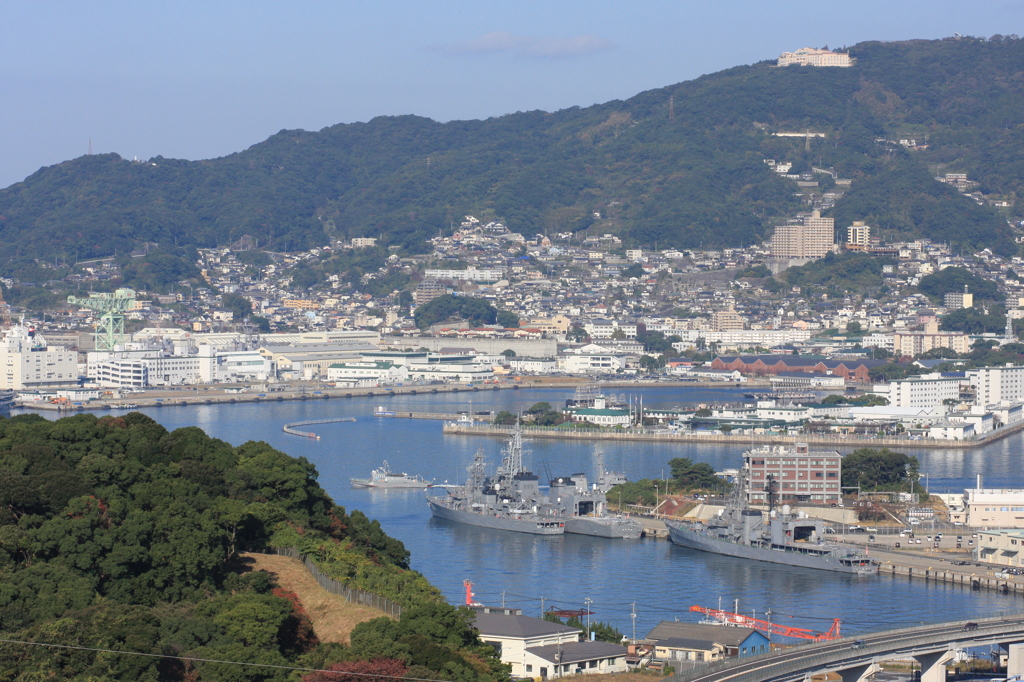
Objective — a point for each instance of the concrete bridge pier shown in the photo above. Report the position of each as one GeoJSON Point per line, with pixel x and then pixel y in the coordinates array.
{"type": "Point", "coordinates": [859, 672]}
{"type": "Point", "coordinates": [1014, 658]}
{"type": "Point", "coordinates": [933, 665]}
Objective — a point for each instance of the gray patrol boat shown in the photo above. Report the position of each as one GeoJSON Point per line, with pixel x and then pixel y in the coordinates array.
{"type": "Point", "coordinates": [584, 505]}
{"type": "Point", "coordinates": [384, 477]}
{"type": "Point", "coordinates": [509, 501]}
{"type": "Point", "coordinates": [781, 538]}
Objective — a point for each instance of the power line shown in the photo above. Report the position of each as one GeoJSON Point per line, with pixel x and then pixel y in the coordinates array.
{"type": "Point", "coordinates": [214, 660]}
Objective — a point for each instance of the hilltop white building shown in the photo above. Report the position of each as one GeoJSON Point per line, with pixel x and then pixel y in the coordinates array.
{"type": "Point", "coordinates": [809, 56]}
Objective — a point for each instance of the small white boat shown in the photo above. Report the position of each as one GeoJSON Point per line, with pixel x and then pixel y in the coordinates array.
{"type": "Point", "coordinates": [385, 478]}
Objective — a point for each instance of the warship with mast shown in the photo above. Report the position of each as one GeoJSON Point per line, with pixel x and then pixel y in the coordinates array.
{"type": "Point", "coordinates": [782, 538]}
{"type": "Point", "coordinates": [510, 501]}
{"type": "Point", "coordinates": [585, 505]}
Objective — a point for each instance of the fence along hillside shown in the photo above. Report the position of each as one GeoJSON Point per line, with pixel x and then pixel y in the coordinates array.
{"type": "Point", "coordinates": [350, 594]}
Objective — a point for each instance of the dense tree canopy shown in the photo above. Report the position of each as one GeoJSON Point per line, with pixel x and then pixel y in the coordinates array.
{"type": "Point", "coordinates": [953, 280]}
{"type": "Point", "coordinates": [878, 469]}
{"type": "Point", "coordinates": [116, 533]}
{"type": "Point", "coordinates": [475, 311]}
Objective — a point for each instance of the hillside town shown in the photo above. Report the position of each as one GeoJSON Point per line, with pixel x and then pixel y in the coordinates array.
{"type": "Point", "coordinates": [583, 306]}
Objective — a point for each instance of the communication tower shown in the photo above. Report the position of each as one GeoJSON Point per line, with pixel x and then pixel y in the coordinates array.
{"type": "Point", "coordinates": [110, 328]}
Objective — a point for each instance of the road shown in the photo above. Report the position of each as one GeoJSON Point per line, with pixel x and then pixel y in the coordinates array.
{"type": "Point", "coordinates": [798, 662]}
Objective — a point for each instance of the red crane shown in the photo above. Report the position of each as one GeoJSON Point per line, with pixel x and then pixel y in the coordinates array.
{"type": "Point", "coordinates": [725, 617]}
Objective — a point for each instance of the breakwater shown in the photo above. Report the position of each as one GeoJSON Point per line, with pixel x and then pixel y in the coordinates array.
{"type": "Point", "coordinates": [745, 439]}
{"type": "Point", "coordinates": [290, 428]}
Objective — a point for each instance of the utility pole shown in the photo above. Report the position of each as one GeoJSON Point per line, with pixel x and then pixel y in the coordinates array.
{"type": "Point", "coordinates": [632, 615]}
{"type": "Point", "coordinates": [588, 601]}
{"type": "Point", "coordinates": [542, 607]}
{"type": "Point", "coordinates": [503, 599]}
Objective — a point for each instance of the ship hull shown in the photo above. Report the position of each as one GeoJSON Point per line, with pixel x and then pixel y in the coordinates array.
{"type": "Point", "coordinates": [699, 541]}
{"type": "Point", "coordinates": [370, 483]}
{"type": "Point", "coordinates": [534, 526]}
{"type": "Point", "coordinates": [603, 527]}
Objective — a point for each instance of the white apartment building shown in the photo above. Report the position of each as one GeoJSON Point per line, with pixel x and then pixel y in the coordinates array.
{"type": "Point", "coordinates": [858, 235]}
{"type": "Point", "coordinates": [30, 364]}
{"type": "Point", "coordinates": [740, 338]}
{"type": "Point", "coordinates": [809, 56]}
{"type": "Point", "coordinates": [914, 343]}
{"type": "Point", "coordinates": [812, 239]}
{"type": "Point", "coordinates": [924, 391]}
{"type": "Point", "coordinates": [469, 274]}
{"type": "Point", "coordinates": [605, 329]}
{"type": "Point", "coordinates": [997, 384]}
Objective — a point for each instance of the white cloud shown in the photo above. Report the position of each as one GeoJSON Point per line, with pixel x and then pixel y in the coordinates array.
{"type": "Point", "coordinates": [526, 46]}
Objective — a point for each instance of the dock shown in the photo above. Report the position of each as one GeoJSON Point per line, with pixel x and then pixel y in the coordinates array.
{"type": "Point", "coordinates": [440, 416]}
{"type": "Point", "coordinates": [745, 440]}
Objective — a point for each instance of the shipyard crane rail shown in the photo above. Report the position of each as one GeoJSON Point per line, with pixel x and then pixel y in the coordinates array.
{"type": "Point", "coordinates": [726, 617]}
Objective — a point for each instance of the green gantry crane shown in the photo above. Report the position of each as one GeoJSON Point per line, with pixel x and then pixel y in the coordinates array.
{"type": "Point", "coordinates": [110, 328]}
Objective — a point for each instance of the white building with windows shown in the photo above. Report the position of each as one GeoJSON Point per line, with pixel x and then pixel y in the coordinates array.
{"type": "Point", "coordinates": [929, 390]}
{"type": "Point", "coordinates": [28, 363]}
{"type": "Point", "coordinates": [469, 274]}
{"type": "Point", "coordinates": [810, 56]}
{"type": "Point", "coordinates": [997, 384]}
{"type": "Point", "coordinates": [586, 363]}
{"type": "Point", "coordinates": [386, 373]}
{"type": "Point", "coordinates": [990, 508]}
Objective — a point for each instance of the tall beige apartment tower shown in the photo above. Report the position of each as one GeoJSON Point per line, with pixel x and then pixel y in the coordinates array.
{"type": "Point", "coordinates": [813, 239]}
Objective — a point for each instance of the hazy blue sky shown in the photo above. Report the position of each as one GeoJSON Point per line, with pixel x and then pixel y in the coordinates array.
{"type": "Point", "coordinates": [204, 79]}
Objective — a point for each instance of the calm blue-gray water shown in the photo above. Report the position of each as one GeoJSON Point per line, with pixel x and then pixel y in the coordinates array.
{"type": "Point", "coordinates": [662, 580]}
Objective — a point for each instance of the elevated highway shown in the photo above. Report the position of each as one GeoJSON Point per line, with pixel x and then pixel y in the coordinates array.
{"type": "Point", "coordinates": [856, 658]}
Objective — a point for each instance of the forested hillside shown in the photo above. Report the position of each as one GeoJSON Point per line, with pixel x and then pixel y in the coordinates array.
{"type": "Point", "coordinates": [695, 177]}
{"type": "Point", "coordinates": [116, 534]}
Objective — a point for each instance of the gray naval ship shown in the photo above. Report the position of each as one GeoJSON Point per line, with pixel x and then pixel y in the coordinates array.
{"type": "Point", "coordinates": [384, 477]}
{"type": "Point", "coordinates": [510, 501]}
{"type": "Point", "coordinates": [781, 538]}
{"type": "Point", "coordinates": [584, 505]}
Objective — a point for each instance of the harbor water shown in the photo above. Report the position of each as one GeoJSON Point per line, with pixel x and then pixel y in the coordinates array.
{"type": "Point", "coordinates": [657, 579]}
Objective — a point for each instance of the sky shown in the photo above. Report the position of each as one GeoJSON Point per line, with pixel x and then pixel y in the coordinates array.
{"type": "Point", "coordinates": [199, 80]}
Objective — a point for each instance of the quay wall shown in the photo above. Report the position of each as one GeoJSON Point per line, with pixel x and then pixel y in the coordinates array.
{"type": "Point", "coordinates": [740, 439]}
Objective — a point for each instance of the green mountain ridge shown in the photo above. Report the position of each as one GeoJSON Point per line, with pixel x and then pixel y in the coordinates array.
{"type": "Point", "coordinates": [694, 178]}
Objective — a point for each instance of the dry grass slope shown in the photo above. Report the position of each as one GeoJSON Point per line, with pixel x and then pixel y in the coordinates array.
{"type": "Point", "coordinates": [333, 617]}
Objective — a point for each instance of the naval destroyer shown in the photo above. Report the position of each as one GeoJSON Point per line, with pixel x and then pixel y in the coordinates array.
{"type": "Point", "coordinates": [510, 501]}
{"type": "Point", "coordinates": [781, 538]}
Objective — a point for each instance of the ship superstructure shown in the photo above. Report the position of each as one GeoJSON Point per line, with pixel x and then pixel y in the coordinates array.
{"type": "Point", "coordinates": [585, 505]}
{"type": "Point", "coordinates": [510, 501]}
